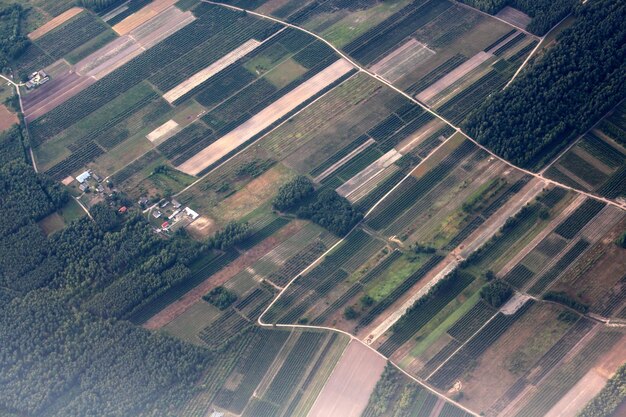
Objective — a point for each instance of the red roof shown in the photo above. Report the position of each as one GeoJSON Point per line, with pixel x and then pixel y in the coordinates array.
{"type": "Point", "coordinates": [123, 209]}
{"type": "Point", "coordinates": [165, 224]}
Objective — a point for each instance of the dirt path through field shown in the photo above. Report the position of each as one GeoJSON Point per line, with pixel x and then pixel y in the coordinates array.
{"type": "Point", "coordinates": [347, 391]}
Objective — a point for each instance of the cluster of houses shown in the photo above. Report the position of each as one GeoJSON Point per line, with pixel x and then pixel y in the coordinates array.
{"type": "Point", "coordinates": [84, 183]}
{"type": "Point", "coordinates": [172, 212]}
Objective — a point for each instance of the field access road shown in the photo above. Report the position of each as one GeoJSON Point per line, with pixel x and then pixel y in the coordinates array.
{"type": "Point", "coordinates": [412, 99]}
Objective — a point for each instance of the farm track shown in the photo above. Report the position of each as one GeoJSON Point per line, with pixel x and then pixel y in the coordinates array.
{"type": "Point", "coordinates": [316, 262]}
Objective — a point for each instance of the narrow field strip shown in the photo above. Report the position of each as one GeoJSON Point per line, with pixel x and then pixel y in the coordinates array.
{"type": "Point", "coordinates": [265, 118]}
{"type": "Point", "coordinates": [202, 76]}
{"type": "Point", "coordinates": [136, 19]}
{"type": "Point", "coordinates": [54, 23]}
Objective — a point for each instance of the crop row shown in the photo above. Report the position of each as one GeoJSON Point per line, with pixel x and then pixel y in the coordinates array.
{"type": "Point", "coordinates": [78, 159]}
{"type": "Point", "coordinates": [261, 408]}
{"type": "Point", "coordinates": [554, 173]}
{"type": "Point", "coordinates": [468, 100]}
{"type": "Point", "coordinates": [186, 143]}
{"type": "Point", "coordinates": [218, 45]}
{"type": "Point", "coordinates": [499, 40]}
{"type": "Point", "coordinates": [519, 276]}
{"type": "Point", "coordinates": [131, 7]}
{"type": "Point", "coordinates": [561, 265]}
{"type": "Point", "coordinates": [522, 52]}
{"type": "Point", "coordinates": [553, 197]}
{"type": "Point", "coordinates": [408, 129]}
{"type": "Point", "coordinates": [515, 188]}
{"type": "Point", "coordinates": [439, 358]}
{"type": "Point", "coordinates": [450, 410]}
{"type": "Point", "coordinates": [464, 233]}
{"type": "Point", "coordinates": [129, 124]}
{"type": "Point", "coordinates": [614, 131]}
{"type": "Point", "coordinates": [294, 368]}
{"type": "Point", "coordinates": [253, 365]}
{"type": "Point", "coordinates": [517, 39]}
{"type": "Point", "coordinates": [395, 32]}
{"type": "Point", "coordinates": [371, 275]}
{"type": "Point", "coordinates": [437, 74]}
{"type": "Point", "coordinates": [353, 166]}
{"type": "Point", "coordinates": [582, 169]}
{"type": "Point", "coordinates": [608, 307]}
{"type": "Point", "coordinates": [71, 35]}
{"type": "Point", "coordinates": [615, 186]}
{"type": "Point", "coordinates": [135, 167]}
{"type": "Point", "coordinates": [420, 314]}
{"type": "Point", "coordinates": [255, 304]}
{"type": "Point", "coordinates": [395, 295]}
{"type": "Point", "coordinates": [337, 156]}
{"type": "Point", "coordinates": [353, 243]}
{"type": "Point", "coordinates": [579, 218]}
{"type": "Point", "coordinates": [565, 377]}
{"type": "Point", "coordinates": [297, 263]}
{"type": "Point", "coordinates": [475, 347]}
{"type": "Point", "coordinates": [471, 321]}
{"type": "Point", "coordinates": [321, 290]}
{"type": "Point", "coordinates": [430, 143]}
{"type": "Point", "coordinates": [413, 189]}
{"type": "Point", "coordinates": [602, 151]}
{"type": "Point", "coordinates": [230, 326]}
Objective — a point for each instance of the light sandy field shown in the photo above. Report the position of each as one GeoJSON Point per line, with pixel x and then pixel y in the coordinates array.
{"type": "Point", "coordinates": [349, 387]}
{"type": "Point", "coordinates": [360, 179]}
{"type": "Point", "coordinates": [54, 23]}
{"type": "Point", "coordinates": [163, 132]}
{"type": "Point", "coordinates": [453, 76]}
{"type": "Point", "coordinates": [133, 21]}
{"type": "Point", "coordinates": [265, 118]}
{"type": "Point", "coordinates": [200, 77]}
{"type": "Point", "coordinates": [584, 390]}
{"type": "Point", "coordinates": [402, 60]}
{"type": "Point", "coordinates": [514, 17]}
{"type": "Point", "coordinates": [7, 118]}
{"type": "Point", "coordinates": [161, 26]}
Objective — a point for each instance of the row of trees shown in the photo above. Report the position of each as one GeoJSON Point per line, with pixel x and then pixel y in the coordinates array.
{"type": "Point", "coordinates": [496, 293]}
{"type": "Point", "coordinates": [562, 94]}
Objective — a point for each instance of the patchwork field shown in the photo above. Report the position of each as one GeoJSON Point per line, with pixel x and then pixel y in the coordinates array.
{"type": "Point", "coordinates": [459, 286]}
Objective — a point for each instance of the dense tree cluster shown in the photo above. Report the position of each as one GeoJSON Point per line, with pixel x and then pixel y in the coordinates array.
{"type": "Point", "coordinates": [292, 194]}
{"type": "Point", "coordinates": [12, 41]}
{"type": "Point", "coordinates": [611, 396]}
{"type": "Point", "coordinates": [230, 235]}
{"type": "Point", "coordinates": [496, 293]}
{"type": "Point", "coordinates": [562, 94]}
{"type": "Point", "coordinates": [331, 211]}
{"type": "Point", "coordinates": [58, 362]}
{"type": "Point", "coordinates": [545, 13]}
{"type": "Point", "coordinates": [220, 297]}
{"type": "Point", "coordinates": [11, 147]}
{"type": "Point", "coordinates": [565, 299]}
{"type": "Point", "coordinates": [386, 388]}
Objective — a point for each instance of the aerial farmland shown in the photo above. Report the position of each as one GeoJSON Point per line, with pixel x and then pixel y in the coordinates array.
{"type": "Point", "coordinates": [281, 208]}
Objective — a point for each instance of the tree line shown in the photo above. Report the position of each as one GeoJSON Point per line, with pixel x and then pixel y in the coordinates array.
{"type": "Point", "coordinates": [545, 13]}
{"type": "Point", "coordinates": [562, 94]}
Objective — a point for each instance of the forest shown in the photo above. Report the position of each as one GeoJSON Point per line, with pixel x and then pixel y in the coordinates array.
{"type": "Point", "coordinates": [12, 41]}
{"type": "Point", "coordinates": [545, 13]}
{"type": "Point", "coordinates": [60, 356]}
{"type": "Point", "coordinates": [562, 94]}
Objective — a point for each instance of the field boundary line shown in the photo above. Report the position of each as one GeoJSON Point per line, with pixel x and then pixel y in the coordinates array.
{"type": "Point", "coordinates": [467, 6]}
{"type": "Point", "coordinates": [419, 103]}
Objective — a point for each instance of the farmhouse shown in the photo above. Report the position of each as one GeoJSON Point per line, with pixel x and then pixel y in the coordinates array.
{"type": "Point", "coordinates": [191, 213]}
{"type": "Point", "coordinates": [83, 177]}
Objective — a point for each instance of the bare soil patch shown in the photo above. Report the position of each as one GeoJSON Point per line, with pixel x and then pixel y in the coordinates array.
{"type": "Point", "coordinates": [349, 387]}
{"type": "Point", "coordinates": [201, 228]}
{"type": "Point", "coordinates": [163, 132]}
{"type": "Point", "coordinates": [54, 23]}
{"type": "Point", "coordinates": [265, 118]}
